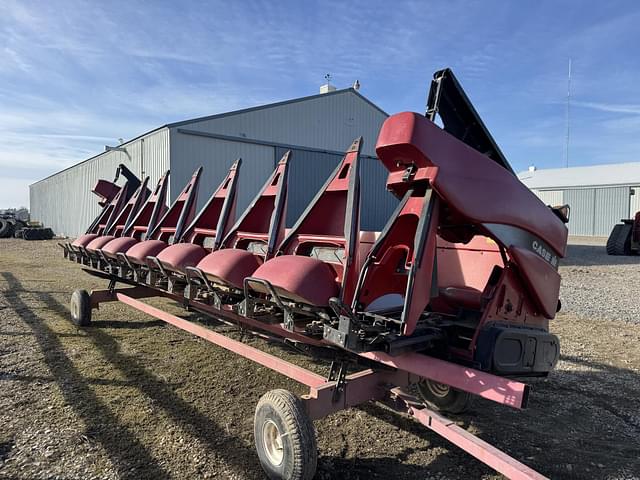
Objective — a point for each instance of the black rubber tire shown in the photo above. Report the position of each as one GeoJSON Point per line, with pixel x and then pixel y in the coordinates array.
{"type": "Point", "coordinates": [47, 234]}
{"type": "Point", "coordinates": [297, 435]}
{"type": "Point", "coordinates": [18, 233]}
{"type": "Point", "coordinates": [5, 228]}
{"type": "Point", "coordinates": [33, 234]}
{"type": "Point", "coordinates": [619, 242]}
{"type": "Point", "coordinates": [444, 398]}
{"type": "Point", "coordinates": [80, 308]}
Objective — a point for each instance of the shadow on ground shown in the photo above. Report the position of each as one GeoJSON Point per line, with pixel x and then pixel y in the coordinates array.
{"type": "Point", "coordinates": [582, 422]}
{"type": "Point", "coordinates": [590, 255]}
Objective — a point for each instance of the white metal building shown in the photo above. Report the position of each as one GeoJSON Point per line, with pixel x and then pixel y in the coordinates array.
{"type": "Point", "coordinates": [599, 195]}
{"type": "Point", "coordinates": [317, 129]}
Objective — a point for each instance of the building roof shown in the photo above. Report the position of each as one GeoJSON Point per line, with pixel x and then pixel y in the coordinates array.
{"type": "Point", "coordinates": [350, 90]}
{"type": "Point", "coordinates": [279, 104]}
{"type": "Point", "coordinates": [593, 175]}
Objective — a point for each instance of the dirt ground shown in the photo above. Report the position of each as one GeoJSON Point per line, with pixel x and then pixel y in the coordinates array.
{"type": "Point", "coordinates": [131, 397]}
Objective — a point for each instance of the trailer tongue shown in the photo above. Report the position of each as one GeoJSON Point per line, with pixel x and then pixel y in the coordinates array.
{"type": "Point", "coordinates": [451, 300]}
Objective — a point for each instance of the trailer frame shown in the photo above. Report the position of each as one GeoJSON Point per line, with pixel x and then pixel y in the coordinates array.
{"type": "Point", "coordinates": [383, 378]}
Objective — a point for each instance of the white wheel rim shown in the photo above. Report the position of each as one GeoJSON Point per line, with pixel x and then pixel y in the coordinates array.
{"type": "Point", "coordinates": [438, 389]}
{"type": "Point", "coordinates": [272, 442]}
{"type": "Point", "coordinates": [74, 309]}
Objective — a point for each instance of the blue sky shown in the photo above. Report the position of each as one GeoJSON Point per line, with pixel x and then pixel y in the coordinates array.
{"type": "Point", "coordinates": [76, 75]}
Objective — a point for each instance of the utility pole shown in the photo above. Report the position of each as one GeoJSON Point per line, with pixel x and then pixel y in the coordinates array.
{"type": "Point", "coordinates": [566, 158]}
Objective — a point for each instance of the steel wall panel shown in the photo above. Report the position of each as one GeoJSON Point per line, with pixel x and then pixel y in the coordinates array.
{"type": "Point", "coordinates": [216, 156]}
{"type": "Point", "coordinates": [64, 201]}
{"type": "Point", "coordinates": [611, 205]}
{"type": "Point", "coordinates": [582, 203]}
{"type": "Point", "coordinates": [550, 197]}
{"type": "Point", "coordinates": [634, 200]}
{"type": "Point", "coordinates": [326, 121]}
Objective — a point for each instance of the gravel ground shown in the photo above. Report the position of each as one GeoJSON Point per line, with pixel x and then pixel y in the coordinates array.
{"type": "Point", "coordinates": [134, 398]}
{"type": "Point", "coordinates": [599, 286]}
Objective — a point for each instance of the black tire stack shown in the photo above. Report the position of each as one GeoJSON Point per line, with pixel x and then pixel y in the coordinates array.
{"type": "Point", "coordinates": [37, 233]}
{"type": "Point", "coordinates": [7, 228]}
{"type": "Point", "coordinates": [11, 227]}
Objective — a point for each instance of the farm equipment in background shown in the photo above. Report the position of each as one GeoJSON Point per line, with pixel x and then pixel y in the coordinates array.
{"type": "Point", "coordinates": [452, 299]}
{"type": "Point", "coordinates": [625, 237]}
{"type": "Point", "coordinates": [11, 225]}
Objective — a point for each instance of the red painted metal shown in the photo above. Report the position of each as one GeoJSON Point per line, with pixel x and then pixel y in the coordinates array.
{"type": "Point", "coordinates": [262, 223]}
{"type": "Point", "coordinates": [474, 185]}
{"type": "Point", "coordinates": [147, 248]}
{"type": "Point", "coordinates": [402, 260]}
{"type": "Point", "coordinates": [360, 387]}
{"type": "Point", "coordinates": [113, 200]}
{"type": "Point", "coordinates": [329, 396]}
{"type": "Point", "coordinates": [509, 303]}
{"type": "Point", "coordinates": [84, 240]}
{"type": "Point", "coordinates": [229, 266]}
{"type": "Point", "coordinates": [130, 210]}
{"type": "Point", "coordinates": [463, 272]}
{"type": "Point", "coordinates": [144, 220]}
{"type": "Point", "coordinates": [292, 371]}
{"type": "Point", "coordinates": [265, 216]}
{"type": "Point", "coordinates": [216, 217]}
{"type": "Point", "coordinates": [180, 213]}
{"type": "Point", "coordinates": [483, 451]}
{"type": "Point", "coordinates": [99, 242]}
{"type": "Point", "coordinates": [498, 389]}
{"type": "Point", "coordinates": [170, 227]}
{"type": "Point", "coordinates": [635, 233]}
{"type": "Point", "coordinates": [210, 223]}
{"type": "Point", "coordinates": [534, 269]}
{"type": "Point", "coordinates": [154, 208]}
{"type": "Point", "coordinates": [299, 278]}
{"type": "Point", "coordinates": [331, 221]}
{"type": "Point", "coordinates": [117, 245]}
{"type": "Point", "coordinates": [112, 210]}
{"type": "Point", "coordinates": [106, 192]}
{"type": "Point", "coordinates": [226, 313]}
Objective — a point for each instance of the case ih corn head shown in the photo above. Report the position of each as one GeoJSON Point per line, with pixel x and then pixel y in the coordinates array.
{"type": "Point", "coordinates": [451, 300]}
{"type": "Point", "coordinates": [625, 237]}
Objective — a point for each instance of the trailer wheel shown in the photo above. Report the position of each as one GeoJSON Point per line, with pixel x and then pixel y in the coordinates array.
{"type": "Point", "coordinates": [444, 398]}
{"type": "Point", "coordinates": [284, 437]}
{"type": "Point", "coordinates": [81, 308]}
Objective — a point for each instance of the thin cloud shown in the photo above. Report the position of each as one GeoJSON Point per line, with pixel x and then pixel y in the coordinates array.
{"type": "Point", "coordinates": [77, 75]}
{"type": "Point", "coordinates": [610, 107]}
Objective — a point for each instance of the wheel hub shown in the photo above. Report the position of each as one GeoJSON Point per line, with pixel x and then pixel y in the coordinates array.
{"type": "Point", "coordinates": [438, 389]}
{"type": "Point", "coordinates": [74, 309]}
{"type": "Point", "coordinates": [272, 442]}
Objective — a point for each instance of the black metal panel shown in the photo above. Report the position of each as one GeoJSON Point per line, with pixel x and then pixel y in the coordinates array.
{"type": "Point", "coordinates": [459, 117]}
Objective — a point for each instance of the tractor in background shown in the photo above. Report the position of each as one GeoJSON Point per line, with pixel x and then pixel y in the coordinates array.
{"type": "Point", "coordinates": [15, 223]}
{"type": "Point", "coordinates": [625, 237]}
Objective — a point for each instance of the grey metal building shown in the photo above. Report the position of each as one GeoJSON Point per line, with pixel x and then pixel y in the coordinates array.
{"type": "Point", "coordinates": [317, 129]}
{"type": "Point", "coordinates": [599, 195]}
